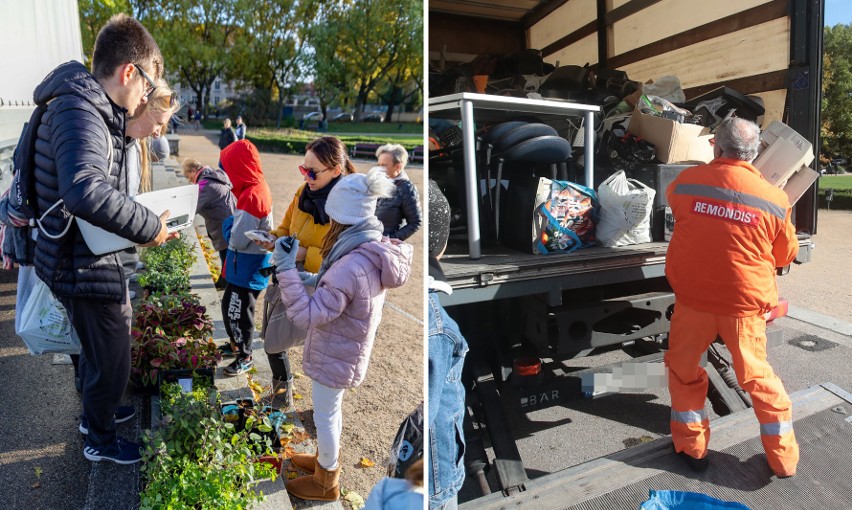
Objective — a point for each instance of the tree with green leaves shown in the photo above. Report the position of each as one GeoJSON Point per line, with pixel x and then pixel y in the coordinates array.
{"type": "Point", "coordinates": [358, 43]}
{"type": "Point", "coordinates": [94, 14]}
{"type": "Point", "coordinates": [837, 91]}
{"type": "Point", "coordinates": [277, 34]}
{"type": "Point", "coordinates": [200, 41]}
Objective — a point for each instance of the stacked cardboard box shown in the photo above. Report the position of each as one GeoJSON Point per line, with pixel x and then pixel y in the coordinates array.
{"type": "Point", "coordinates": [784, 158]}
{"type": "Point", "coordinates": [675, 142]}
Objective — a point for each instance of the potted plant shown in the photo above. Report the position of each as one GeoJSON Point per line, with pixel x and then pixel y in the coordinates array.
{"type": "Point", "coordinates": [152, 352]}
{"type": "Point", "coordinates": [171, 332]}
{"type": "Point", "coordinates": [197, 460]}
{"type": "Point", "coordinates": [177, 315]}
{"type": "Point", "coordinates": [167, 267]}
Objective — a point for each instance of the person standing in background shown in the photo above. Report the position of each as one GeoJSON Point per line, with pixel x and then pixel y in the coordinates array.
{"type": "Point", "coordinates": [227, 136]}
{"type": "Point", "coordinates": [215, 203]}
{"type": "Point", "coordinates": [400, 214]}
{"type": "Point", "coordinates": [241, 128]}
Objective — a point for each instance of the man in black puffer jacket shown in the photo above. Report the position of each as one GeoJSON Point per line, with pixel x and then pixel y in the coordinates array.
{"type": "Point", "coordinates": [80, 161]}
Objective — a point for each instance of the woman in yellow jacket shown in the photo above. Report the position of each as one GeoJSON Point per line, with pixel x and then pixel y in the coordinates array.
{"type": "Point", "coordinates": [326, 161]}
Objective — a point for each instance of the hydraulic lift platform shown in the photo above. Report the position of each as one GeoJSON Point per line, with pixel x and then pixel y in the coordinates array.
{"type": "Point", "coordinates": [738, 470]}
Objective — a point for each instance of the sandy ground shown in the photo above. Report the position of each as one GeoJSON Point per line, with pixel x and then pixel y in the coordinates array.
{"type": "Point", "coordinates": [824, 284]}
{"type": "Point", "coordinates": [395, 380]}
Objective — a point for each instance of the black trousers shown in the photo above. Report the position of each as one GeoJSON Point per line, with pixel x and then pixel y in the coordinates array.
{"type": "Point", "coordinates": [238, 314]}
{"type": "Point", "coordinates": [280, 365]}
{"type": "Point", "coordinates": [104, 366]}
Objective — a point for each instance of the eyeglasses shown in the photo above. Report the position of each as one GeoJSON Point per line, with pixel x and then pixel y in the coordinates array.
{"type": "Point", "coordinates": [311, 173]}
{"type": "Point", "coordinates": [151, 85]}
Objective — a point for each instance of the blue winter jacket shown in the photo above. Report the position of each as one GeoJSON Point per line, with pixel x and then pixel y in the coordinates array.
{"type": "Point", "coordinates": [241, 163]}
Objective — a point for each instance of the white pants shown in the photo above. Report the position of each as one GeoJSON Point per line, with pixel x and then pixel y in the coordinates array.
{"type": "Point", "coordinates": [328, 418]}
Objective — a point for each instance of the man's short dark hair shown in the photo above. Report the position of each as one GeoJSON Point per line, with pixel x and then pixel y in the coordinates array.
{"type": "Point", "coordinates": [123, 40]}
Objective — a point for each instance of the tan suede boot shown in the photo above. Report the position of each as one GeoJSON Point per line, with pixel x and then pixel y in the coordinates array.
{"type": "Point", "coordinates": [323, 485]}
{"type": "Point", "coordinates": [304, 461]}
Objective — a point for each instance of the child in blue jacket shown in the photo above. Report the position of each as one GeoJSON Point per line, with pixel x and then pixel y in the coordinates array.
{"type": "Point", "coordinates": [241, 162]}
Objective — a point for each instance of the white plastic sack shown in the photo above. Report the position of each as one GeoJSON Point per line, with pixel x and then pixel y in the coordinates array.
{"type": "Point", "coordinates": [40, 319]}
{"type": "Point", "coordinates": [625, 216]}
{"type": "Point", "coordinates": [667, 87]}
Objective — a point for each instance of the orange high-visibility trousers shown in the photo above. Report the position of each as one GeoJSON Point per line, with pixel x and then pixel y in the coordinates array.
{"type": "Point", "coordinates": [691, 334]}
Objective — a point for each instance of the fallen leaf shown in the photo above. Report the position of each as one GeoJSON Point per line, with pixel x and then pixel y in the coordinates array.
{"type": "Point", "coordinates": [354, 499]}
{"type": "Point", "coordinates": [287, 428]}
{"type": "Point", "coordinates": [298, 375]}
{"type": "Point", "coordinates": [367, 463]}
{"type": "Point", "coordinates": [292, 474]}
{"type": "Point", "coordinates": [297, 396]}
{"type": "Point", "coordinates": [300, 436]}
{"type": "Point", "coordinates": [38, 471]}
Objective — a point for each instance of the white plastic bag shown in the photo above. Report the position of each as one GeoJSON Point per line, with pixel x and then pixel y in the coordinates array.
{"type": "Point", "coordinates": [626, 206]}
{"type": "Point", "coordinates": [44, 325]}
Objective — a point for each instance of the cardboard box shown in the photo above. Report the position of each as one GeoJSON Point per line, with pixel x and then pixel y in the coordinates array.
{"type": "Point", "coordinates": [783, 152]}
{"type": "Point", "coordinates": [675, 142]}
{"type": "Point", "coordinates": [800, 182]}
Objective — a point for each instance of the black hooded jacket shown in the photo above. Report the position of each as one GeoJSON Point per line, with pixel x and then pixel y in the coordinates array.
{"type": "Point", "coordinates": [71, 164]}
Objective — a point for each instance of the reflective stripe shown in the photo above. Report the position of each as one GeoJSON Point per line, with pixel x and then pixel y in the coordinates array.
{"type": "Point", "coordinates": [689, 416]}
{"type": "Point", "coordinates": [703, 190]}
{"type": "Point", "coordinates": [776, 429]}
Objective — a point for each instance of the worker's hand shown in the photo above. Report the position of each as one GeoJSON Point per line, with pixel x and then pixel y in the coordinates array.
{"type": "Point", "coordinates": [163, 235]}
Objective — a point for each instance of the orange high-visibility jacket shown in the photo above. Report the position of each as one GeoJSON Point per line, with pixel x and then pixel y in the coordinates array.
{"type": "Point", "coordinates": [732, 229]}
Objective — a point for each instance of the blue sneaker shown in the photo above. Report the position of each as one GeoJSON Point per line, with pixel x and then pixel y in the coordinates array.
{"type": "Point", "coordinates": [227, 350]}
{"type": "Point", "coordinates": [239, 366]}
{"type": "Point", "coordinates": [121, 451]}
{"type": "Point", "coordinates": [122, 414]}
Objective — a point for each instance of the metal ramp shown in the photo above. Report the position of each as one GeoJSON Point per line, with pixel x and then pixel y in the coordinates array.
{"type": "Point", "coordinates": [738, 470]}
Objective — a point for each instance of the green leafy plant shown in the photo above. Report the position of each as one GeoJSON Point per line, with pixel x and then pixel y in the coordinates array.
{"type": "Point", "coordinates": [167, 266]}
{"type": "Point", "coordinates": [195, 460]}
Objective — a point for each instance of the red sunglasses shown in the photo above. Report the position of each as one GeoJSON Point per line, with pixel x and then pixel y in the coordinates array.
{"type": "Point", "coordinates": [310, 173]}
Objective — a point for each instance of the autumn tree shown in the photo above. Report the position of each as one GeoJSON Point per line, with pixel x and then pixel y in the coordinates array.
{"type": "Point", "coordinates": [200, 41]}
{"type": "Point", "coordinates": [360, 42]}
{"type": "Point", "coordinates": [837, 91]}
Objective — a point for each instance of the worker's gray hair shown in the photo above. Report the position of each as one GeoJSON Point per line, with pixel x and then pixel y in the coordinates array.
{"type": "Point", "coordinates": [397, 152]}
{"type": "Point", "coordinates": [738, 139]}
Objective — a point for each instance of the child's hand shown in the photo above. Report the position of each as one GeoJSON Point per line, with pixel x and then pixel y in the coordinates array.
{"type": "Point", "coordinates": [284, 256]}
{"type": "Point", "coordinates": [309, 279]}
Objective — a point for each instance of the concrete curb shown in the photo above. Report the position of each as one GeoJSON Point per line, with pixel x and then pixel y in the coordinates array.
{"type": "Point", "coordinates": [820, 320]}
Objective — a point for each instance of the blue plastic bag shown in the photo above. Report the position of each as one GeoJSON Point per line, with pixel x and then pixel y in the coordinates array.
{"type": "Point", "coordinates": [681, 500]}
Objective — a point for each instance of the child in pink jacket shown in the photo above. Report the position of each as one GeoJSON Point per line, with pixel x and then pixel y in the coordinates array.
{"type": "Point", "coordinates": [343, 314]}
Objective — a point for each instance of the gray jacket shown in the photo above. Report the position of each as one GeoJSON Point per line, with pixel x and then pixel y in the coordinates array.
{"type": "Point", "coordinates": [215, 203]}
{"type": "Point", "coordinates": [403, 205]}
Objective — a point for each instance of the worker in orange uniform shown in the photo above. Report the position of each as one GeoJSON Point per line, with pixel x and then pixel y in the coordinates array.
{"type": "Point", "coordinates": [732, 230]}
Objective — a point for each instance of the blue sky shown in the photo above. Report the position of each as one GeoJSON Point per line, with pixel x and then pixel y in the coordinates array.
{"type": "Point", "coordinates": [838, 12]}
